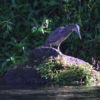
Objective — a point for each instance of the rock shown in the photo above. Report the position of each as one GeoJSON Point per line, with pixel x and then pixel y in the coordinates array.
{"type": "Point", "coordinates": [20, 74]}
{"type": "Point", "coordinates": [38, 55]}
{"type": "Point", "coordinates": [23, 76]}
{"type": "Point", "coordinates": [73, 60]}
{"type": "Point", "coordinates": [2, 81]}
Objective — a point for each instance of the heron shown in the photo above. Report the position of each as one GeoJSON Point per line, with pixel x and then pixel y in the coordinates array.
{"type": "Point", "coordinates": [60, 34]}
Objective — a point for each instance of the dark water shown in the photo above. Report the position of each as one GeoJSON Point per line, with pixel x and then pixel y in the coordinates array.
{"type": "Point", "coordinates": [49, 93]}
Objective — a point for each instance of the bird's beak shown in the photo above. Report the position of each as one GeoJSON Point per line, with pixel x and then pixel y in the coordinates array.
{"type": "Point", "coordinates": [79, 34]}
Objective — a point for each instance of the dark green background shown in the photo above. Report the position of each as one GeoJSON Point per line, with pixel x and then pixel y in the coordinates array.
{"type": "Point", "coordinates": [22, 23]}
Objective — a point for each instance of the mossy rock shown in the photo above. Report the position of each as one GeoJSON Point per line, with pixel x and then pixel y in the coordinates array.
{"type": "Point", "coordinates": [59, 71]}
{"type": "Point", "coordinates": [39, 55]}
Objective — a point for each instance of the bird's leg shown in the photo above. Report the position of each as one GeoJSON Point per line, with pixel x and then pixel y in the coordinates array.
{"type": "Point", "coordinates": [58, 47]}
{"type": "Point", "coordinates": [49, 45]}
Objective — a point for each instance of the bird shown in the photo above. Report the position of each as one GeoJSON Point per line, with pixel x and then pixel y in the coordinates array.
{"type": "Point", "coordinates": [60, 34]}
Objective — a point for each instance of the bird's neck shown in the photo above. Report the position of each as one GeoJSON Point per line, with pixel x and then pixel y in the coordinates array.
{"type": "Point", "coordinates": [69, 29]}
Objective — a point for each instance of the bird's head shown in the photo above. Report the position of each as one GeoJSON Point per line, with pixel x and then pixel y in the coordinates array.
{"type": "Point", "coordinates": [77, 29]}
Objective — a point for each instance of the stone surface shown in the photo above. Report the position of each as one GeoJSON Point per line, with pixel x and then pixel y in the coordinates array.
{"type": "Point", "coordinates": [19, 74]}
{"type": "Point", "coordinates": [73, 60]}
{"type": "Point", "coordinates": [38, 55]}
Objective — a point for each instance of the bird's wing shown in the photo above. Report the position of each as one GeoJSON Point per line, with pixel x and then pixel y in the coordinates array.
{"type": "Point", "coordinates": [55, 35]}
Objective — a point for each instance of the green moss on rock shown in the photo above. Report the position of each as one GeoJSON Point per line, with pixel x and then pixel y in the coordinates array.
{"type": "Point", "coordinates": [58, 71]}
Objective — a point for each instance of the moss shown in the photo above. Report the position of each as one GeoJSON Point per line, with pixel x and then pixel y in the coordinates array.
{"type": "Point", "coordinates": [59, 71]}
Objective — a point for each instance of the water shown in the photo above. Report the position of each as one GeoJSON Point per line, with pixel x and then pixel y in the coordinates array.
{"type": "Point", "coordinates": [49, 93]}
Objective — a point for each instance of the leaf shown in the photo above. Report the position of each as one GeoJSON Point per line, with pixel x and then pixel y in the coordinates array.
{"type": "Point", "coordinates": [41, 29]}
{"type": "Point", "coordinates": [9, 27]}
{"type": "Point", "coordinates": [98, 25]}
{"type": "Point", "coordinates": [34, 29]}
{"type": "Point", "coordinates": [5, 34]}
{"type": "Point", "coordinates": [35, 22]}
{"type": "Point", "coordinates": [52, 3]}
{"type": "Point", "coordinates": [4, 64]}
{"type": "Point", "coordinates": [98, 1]}
{"type": "Point", "coordinates": [12, 59]}
{"type": "Point", "coordinates": [46, 23]}
{"type": "Point", "coordinates": [35, 3]}
{"type": "Point", "coordinates": [13, 3]}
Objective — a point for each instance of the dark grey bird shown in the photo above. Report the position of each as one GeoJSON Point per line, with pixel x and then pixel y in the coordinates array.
{"type": "Point", "coordinates": [60, 34]}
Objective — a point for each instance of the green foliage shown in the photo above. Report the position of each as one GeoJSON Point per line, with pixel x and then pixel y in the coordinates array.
{"type": "Point", "coordinates": [59, 71]}
{"type": "Point", "coordinates": [25, 24]}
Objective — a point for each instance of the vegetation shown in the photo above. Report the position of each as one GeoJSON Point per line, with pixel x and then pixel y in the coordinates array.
{"type": "Point", "coordinates": [25, 24]}
{"type": "Point", "coordinates": [59, 71]}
